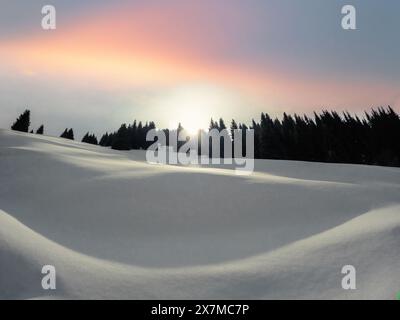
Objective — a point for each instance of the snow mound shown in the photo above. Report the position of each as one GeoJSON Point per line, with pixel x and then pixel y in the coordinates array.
{"type": "Point", "coordinates": [309, 268]}
{"type": "Point", "coordinates": [115, 226]}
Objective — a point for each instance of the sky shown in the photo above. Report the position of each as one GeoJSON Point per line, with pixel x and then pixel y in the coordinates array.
{"type": "Point", "coordinates": [186, 61]}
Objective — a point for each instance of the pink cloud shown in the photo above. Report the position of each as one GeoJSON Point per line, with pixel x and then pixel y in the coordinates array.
{"type": "Point", "coordinates": [181, 42]}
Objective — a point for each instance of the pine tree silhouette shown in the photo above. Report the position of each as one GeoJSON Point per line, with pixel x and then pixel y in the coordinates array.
{"type": "Point", "coordinates": [90, 138]}
{"type": "Point", "coordinates": [326, 137]}
{"type": "Point", "coordinates": [40, 130]}
{"type": "Point", "coordinates": [23, 122]}
{"type": "Point", "coordinates": [233, 127]}
{"type": "Point", "coordinates": [68, 134]}
{"type": "Point", "coordinates": [121, 140]}
{"type": "Point", "coordinates": [104, 140]}
{"type": "Point", "coordinates": [64, 134]}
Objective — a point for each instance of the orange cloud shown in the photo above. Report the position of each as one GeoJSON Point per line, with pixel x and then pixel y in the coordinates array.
{"type": "Point", "coordinates": [166, 45]}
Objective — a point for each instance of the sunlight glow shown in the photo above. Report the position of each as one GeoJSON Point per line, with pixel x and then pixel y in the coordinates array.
{"type": "Point", "coordinates": [192, 106]}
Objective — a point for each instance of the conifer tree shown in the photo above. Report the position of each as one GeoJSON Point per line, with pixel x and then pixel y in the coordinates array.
{"type": "Point", "coordinates": [23, 122]}
{"type": "Point", "coordinates": [40, 130]}
{"type": "Point", "coordinates": [90, 138]}
{"type": "Point", "coordinates": [104, 140]}
{"type": "Point", "coordinates": [121, 140]}
{"type": "Point", "coordinates": [64, 134]}
{"type": "Point", "coordinates": [70, 134]}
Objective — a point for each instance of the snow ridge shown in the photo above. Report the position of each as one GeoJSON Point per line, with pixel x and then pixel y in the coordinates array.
{"type": "Point", "coordinates": [117, 227]}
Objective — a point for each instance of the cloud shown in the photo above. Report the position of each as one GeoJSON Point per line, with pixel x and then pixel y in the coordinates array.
{"type": "Point", "coordinates": [279, 55]}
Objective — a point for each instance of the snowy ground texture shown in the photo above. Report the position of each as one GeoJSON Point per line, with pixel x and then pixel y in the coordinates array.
{"type": "Point", "coordinates": [115, 226]}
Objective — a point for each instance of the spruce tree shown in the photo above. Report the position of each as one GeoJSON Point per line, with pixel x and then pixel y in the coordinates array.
{"type": "Point", "coordinates": [122, 141]}
{"type": "Point", "coordinates": [64, 134]}
{"type": "Point", "coordinates": [40, 130]}
{"type": "Point", "coordinates": [90, 138]}
{"type": "Point", "coordinates": [70, 134]}
{"type": "Point", "coordinates": [104, 140]}
{"type": "Point", "coordinates": [23, 122]}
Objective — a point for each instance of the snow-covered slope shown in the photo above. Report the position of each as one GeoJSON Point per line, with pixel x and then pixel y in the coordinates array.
{"type": "Point", "coordinates": [115, 226]}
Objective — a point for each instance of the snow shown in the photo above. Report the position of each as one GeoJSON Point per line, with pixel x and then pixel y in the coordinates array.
{"type": "Point", "coordinates": [117, 227]}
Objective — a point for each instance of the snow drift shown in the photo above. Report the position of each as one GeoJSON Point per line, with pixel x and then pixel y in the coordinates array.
{"type": "Point", "coordinates": [115, 226]}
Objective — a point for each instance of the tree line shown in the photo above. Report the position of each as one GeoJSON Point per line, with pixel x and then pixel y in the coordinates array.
{"type": "Point", "coordinates": [327, 136]}
{"type": "Point", "coordinates": [23, 123]}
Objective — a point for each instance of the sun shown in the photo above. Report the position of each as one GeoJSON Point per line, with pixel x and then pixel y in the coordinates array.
{"type": "Point", "coordinates": [193, 106]}
{"type": "Point", "coordinates": [191, 120]}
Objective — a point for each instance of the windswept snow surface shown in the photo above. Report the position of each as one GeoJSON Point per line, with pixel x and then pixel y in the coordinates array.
{"type": "Point", "coordinates": [115, 226]}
